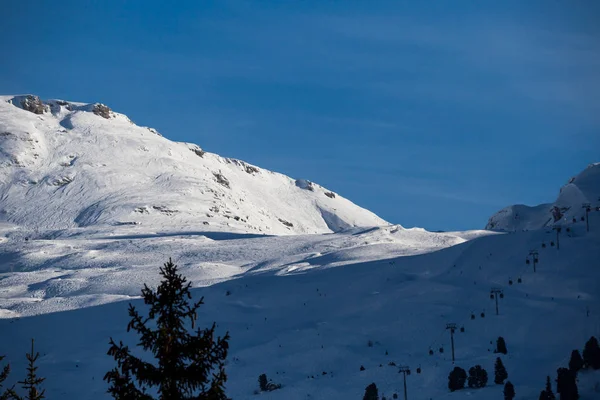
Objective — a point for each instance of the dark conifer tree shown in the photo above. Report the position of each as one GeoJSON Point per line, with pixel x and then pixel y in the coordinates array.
{"type": "Point", "coordinates": [501, 345]}
{"type": "Point", "coordinates": [371, 392]}
{"type": "Point", "coordinates": [591, 354]}
{"type": "Point", "coordinates": [477, 377]}
{"type": "Point", "coordinates": [549, 392]}
{"type": "Point", "coordinates": [500, 374]}
{"type": "Point", "coordinates": [263, 382]}
{"type": "Point", "coordinates": [189, 366]}
{"type": "Point", "coordinates": [509, 391]}
{"type": "Point", "coordinates": [31, 384]}
{"type": "Point", "coordinates": [5, 394]}
{"type": "Point", "coordinates": [576, 362]}
{"type": "Point", "coordinates": [457, 379]}
{"type": "Point", "coordinates": [566, 384]}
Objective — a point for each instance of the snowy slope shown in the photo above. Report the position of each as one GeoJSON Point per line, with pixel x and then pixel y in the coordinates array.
{"type": "Point", "coordinates": [67, 165]}
{"type": "Point", "coordinates": [299, 318]}
{"type": "Point", "coordinates": [581, 189]}
{"type": "Point", "coordinates": [92, 206]}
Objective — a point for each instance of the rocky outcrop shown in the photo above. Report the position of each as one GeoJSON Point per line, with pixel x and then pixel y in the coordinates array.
{"type": "Point", "coordinates": [33, 104]}
{"type": "Point", "coordinates": [102, 110]}
{"type": "Point", "coordinates": [305, 184]}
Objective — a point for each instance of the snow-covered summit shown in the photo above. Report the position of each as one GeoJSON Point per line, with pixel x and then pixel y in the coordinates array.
{"type": "Point", "coordinates": [67, 165]}
{"type": "Point", "coordinates": [581, 190]}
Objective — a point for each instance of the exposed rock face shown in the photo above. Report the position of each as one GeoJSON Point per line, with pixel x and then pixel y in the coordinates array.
{"type": "Point", "coordinates": [33, 104]}
{"type": "Point", "coordinates": [102, 110]}
{"type": "Point", "coordinates": [220, 178]}
{"type": "Point", "coordinates": [305, 184]}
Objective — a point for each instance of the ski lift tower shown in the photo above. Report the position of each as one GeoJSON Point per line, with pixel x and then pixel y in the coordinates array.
{"type": "Point", "coordinates": [452, 328]}
{"type": "Point", "coordinates": [588, 208]}
{"type": "Point", "coordinates": [534, 256]}
{"type": "Point", "coordinates": [557, 229]}
{"type": "Point", "coordinates": [405, 371]}
{"type": "Point", "coordinates": [494, 293]}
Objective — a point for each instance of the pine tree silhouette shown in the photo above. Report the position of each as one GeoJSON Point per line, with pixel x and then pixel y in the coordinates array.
{"type": "Point", "coordinates": [509, 391]}
{"type": "Point", "coordinates": [32, 382]}
{"type": "Point", "coordinates": [548, 393]}
{"type": "Point", "coordinates": [3, 375]}
{"type": "Point", "coordinates": [566, 384]}
{"type": "Point", "coordinates": [457, 379]}
{"type": "Point", "coordinates": [500, 374]}
{"type": "Point", "coordinates": [591, 354]}
{"type": "Point", "coordinates": [576, 362]}
{"type": "Point", "coordinates": [371, 392]}
{"type": "Point", "coordinates": [477, 377]}
{"type": "Point", "coordinates": [501, 345]}
{"type": "Point", "coordinates": [189, 367]}
{"type": "Point", "coordinates": [263, 382]}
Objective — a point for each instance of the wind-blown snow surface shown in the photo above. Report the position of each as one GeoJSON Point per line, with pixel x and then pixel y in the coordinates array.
{"type": "Point", "coordinates": [90, 215]}
{"type": "Point", "coordinates": [295, 318]}
{"type": "Point", "coordinates": [581, 189]}
{"type": "Point", "coordinates": [71, 167]}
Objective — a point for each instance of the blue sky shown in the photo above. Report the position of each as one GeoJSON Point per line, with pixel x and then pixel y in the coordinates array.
{"type": "Point", "coordinates": [429, 113]}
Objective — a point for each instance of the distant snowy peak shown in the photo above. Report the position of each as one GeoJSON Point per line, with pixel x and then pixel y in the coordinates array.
{"type": "Point", "coordinates": [581, 190]}
{"type": "Point", "coordinates": [66, 165]}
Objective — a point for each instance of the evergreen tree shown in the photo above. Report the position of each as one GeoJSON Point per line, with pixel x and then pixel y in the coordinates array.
{"type": "Point", "coordinates": [477, 377]}
{"type": "Point", "coordinates": [457, 379]}
{"type": "Point", "coordinates": [509, 391]}
{"type": "Point", "coordinates": [371, 392]}
{"type": "Point", "coordinates": [566, 384]}
{"type": "Point", "coordinates": [263, 382]}
{"type": "Point", "coordinates": [3, 375]}
{"type": "Point", "coordinates": [32, 381]}
{"type": "Point", "coordinates": [549, 393]}
{"type": "Point", "coordinates": [500, 374]}
{"type": "Point", "coordinates": [189, 366]}
{"type": "Point", "coordinates": [591, 354]}
{"type": "Point", "coordinates": [576, 362]}
{"type": "Point", "coordinates": [501, 345]}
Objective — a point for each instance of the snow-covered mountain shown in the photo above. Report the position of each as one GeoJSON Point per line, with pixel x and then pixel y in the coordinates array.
{"type": "Point", "coordinates": [67, 165]}
{"type": "Point", "coordinates": [582, 189]}
{"type": "Point", "coordinates": [93, 205]}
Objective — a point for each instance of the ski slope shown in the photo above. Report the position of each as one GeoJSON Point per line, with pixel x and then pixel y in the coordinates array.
{"type": "Point", "coordinates": [296, 318]}
{"type": "Point", "coordinates": [92, 206]}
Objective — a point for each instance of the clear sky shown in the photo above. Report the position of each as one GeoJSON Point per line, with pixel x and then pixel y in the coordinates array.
{"type": "Point", "coordinates": [429, 113]}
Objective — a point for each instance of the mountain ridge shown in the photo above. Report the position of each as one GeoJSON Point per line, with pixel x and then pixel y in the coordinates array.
{"type": "Point", "coordinates": [87, 165]}
{"type": "Point", "coordinates": [581, 189]}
